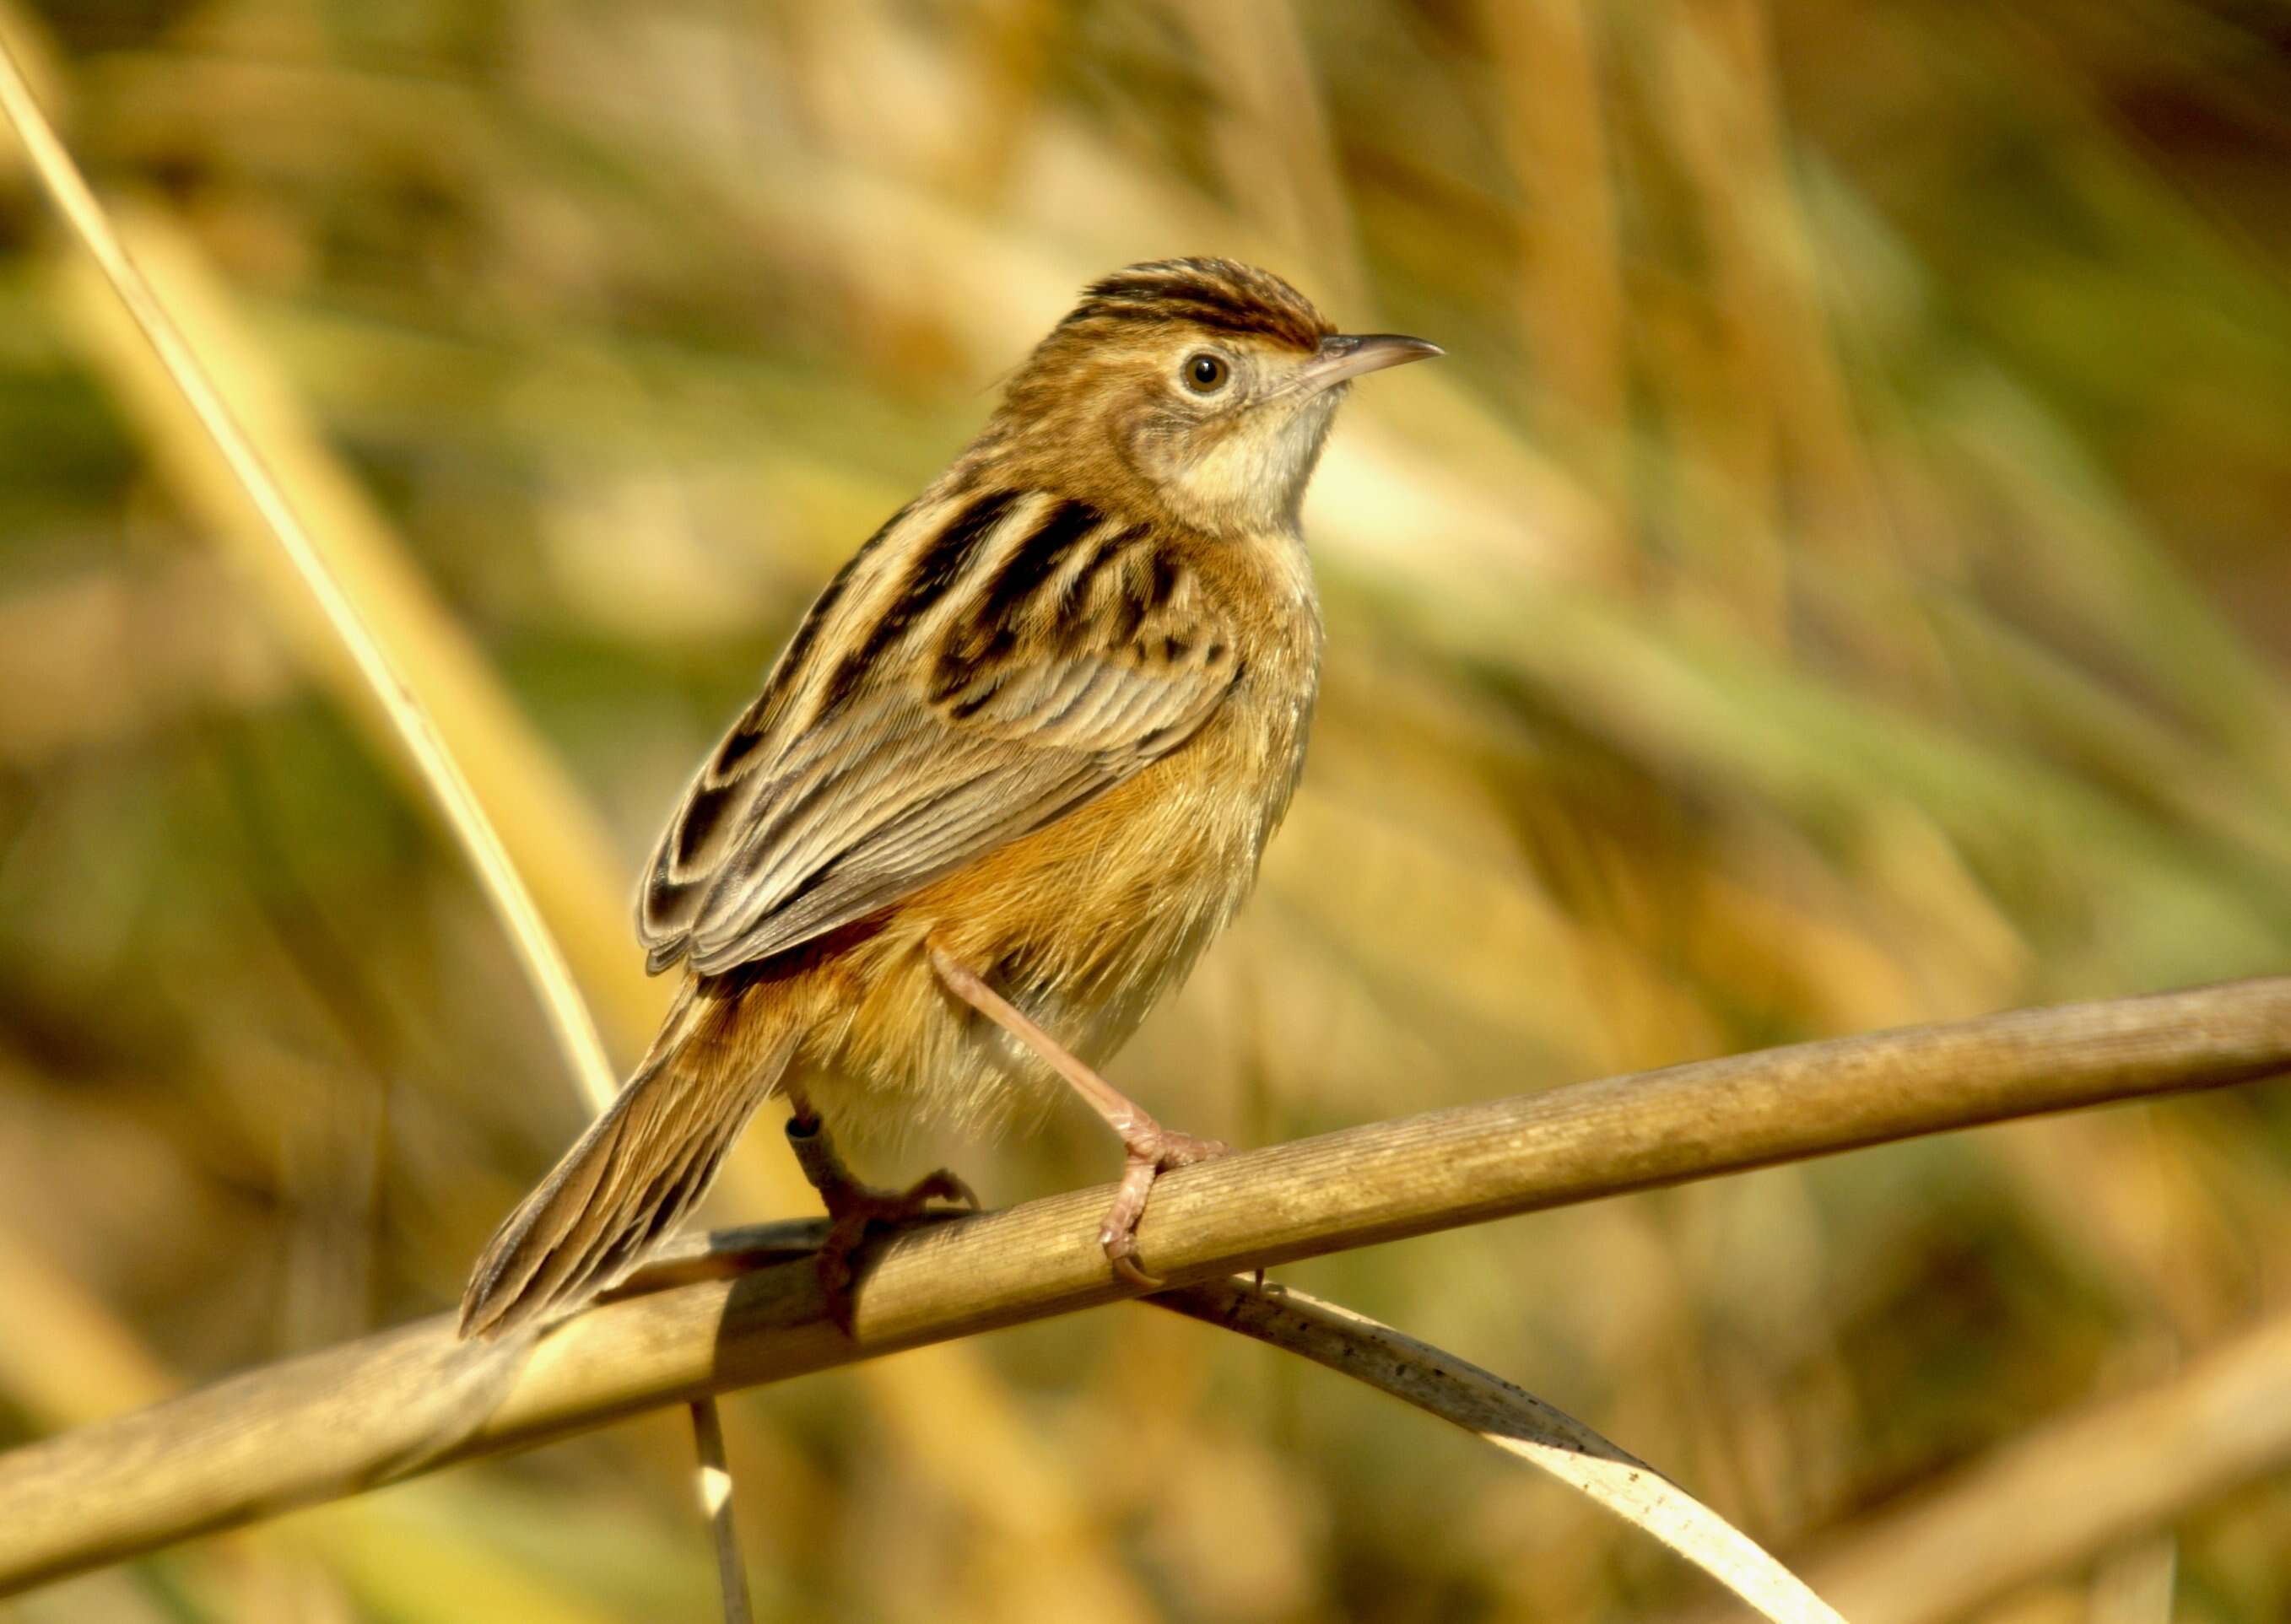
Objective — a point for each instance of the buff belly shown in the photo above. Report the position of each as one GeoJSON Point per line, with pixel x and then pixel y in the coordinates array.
{"type": "Point", "coordinates": [1083, 925]}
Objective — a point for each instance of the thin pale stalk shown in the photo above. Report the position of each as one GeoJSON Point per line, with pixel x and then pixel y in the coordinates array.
{"type": "Point", "coordinates": [716, 1506]}
{"type": "Point", "coordinates": [537, 952]}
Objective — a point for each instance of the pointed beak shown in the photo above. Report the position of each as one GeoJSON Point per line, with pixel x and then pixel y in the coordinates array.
{"type": "Point", "coordinates": [1348, 355]}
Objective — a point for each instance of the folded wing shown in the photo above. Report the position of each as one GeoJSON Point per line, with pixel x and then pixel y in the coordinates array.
{"type": "Point", "coordinates": [952, 747]}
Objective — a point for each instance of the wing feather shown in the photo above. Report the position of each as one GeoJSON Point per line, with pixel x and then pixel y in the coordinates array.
{"type": "Point", "coordinates": [948, 746]}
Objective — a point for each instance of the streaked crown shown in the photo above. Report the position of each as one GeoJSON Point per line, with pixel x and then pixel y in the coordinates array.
{"type": "Point", "coordinates": [1221, 295]}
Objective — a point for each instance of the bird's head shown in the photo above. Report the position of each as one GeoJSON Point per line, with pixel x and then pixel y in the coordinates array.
{"type": "Point", "coordinates": [1204, 385]}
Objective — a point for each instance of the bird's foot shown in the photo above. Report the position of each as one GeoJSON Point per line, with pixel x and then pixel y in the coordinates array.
{"type": "Point", "coordinates": [1153, 1150]}
{"type": "Point", "coordinates": [857, 1211]}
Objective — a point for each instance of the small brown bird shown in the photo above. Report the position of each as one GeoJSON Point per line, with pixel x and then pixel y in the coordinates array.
{"type": "Point", "coordinates": [1012, 773]}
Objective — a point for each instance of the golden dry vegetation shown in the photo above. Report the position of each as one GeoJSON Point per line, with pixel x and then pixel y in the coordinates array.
{"type": "Point", "coordinates": [1838, 579]}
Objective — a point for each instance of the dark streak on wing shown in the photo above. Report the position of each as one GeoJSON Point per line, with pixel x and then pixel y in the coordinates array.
{"type": "Point", "coordinates": [699, 817]}
{"type": "Point", "coordinates": [963, 710]}
{"type": "Point", "coordinates": [664, 906]}
{"type": "Point", "coordinates": [745, 738]}
{"type": "Point", "coordinates": [1036, 561]}
{"type": "Point", "coordinates": [1109, 554]}
{"type": "Point", "coordinates": [787, 672]}
{"type": "Point", "coordinates": [935, 569]}
{"type": "Point", "coordinates": [1138, 597]}
{"type": "Point", "coordinates": [1165, 582]}
{"type": "Point", "coordinates": [985, 635]}
{"type": "Point", "coordinates": [947, 777]}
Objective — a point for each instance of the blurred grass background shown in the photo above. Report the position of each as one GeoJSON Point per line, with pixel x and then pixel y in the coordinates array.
{"type": "Point", "coordinates": [1839, 578]}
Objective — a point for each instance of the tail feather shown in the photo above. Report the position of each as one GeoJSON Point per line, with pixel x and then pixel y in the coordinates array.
{"type": "Point", "coordinates": [637, 1173]}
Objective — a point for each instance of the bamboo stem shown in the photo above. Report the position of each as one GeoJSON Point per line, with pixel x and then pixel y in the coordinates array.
{"type": "Point", "coordinates": [415, 1399]}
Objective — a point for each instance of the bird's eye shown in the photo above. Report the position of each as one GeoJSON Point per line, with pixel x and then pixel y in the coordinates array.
{"type": "Point", "coordinates": [1205, 373]}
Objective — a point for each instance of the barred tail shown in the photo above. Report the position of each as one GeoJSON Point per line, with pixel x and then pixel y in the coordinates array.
{"type": "Point", "coordinates": [632, 1177]}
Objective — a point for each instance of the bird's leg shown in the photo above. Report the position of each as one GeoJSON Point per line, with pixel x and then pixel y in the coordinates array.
{"type": "Point", "coordinates": [855, 1209]}
{"type": "Point", "coordinates": [1152, 1149]}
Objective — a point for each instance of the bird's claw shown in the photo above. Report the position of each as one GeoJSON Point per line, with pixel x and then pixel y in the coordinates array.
{"type": "Point", "coordinates": [854, 1211]}
{"type": "Point", "coordinates": [1152, 1152]}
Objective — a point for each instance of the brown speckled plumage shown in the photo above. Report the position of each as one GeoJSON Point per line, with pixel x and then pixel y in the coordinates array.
{"type": "Point", "coordinates": [1043, 723]}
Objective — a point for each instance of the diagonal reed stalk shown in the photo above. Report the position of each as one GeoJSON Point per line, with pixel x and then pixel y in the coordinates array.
{"type": "Point", "coordinates": [505, 890]}
{"type": "Point", "coordinates": [536, 950]}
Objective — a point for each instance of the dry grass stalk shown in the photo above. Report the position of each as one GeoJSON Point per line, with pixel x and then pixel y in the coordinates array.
{"type": "Point", "coordinates": [505, 889]}
{"type": "Point", "coordinates": [440, 773]}
{"type": "Point", "coordinates": [555, 839]}
{"type": "Point", "coordinates": [716, 1506]}
{"type": "Point", "coordinates": [411, 1400]}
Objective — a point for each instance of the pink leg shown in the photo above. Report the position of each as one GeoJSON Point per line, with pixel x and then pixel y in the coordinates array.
{"type": "Point", "coordinates": [855, 1209]}
{"type": "Point", "coordinates": [1152, 1148]}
